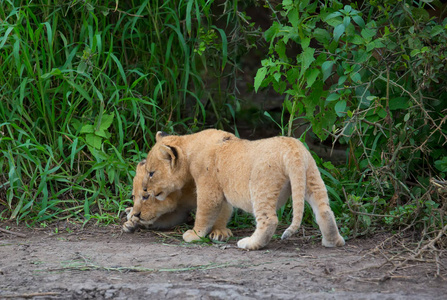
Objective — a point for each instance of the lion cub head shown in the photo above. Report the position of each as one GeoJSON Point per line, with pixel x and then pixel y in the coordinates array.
{"type": "Point", "coordinates": [166, 171]}
{"type": "Point", "coordinates": [146, 208]}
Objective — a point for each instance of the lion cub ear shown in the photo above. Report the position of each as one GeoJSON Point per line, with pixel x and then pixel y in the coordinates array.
{"type": "Point", "coordinates": [170, 153]}
{"type": "Point", "coordinates": [160, 135]}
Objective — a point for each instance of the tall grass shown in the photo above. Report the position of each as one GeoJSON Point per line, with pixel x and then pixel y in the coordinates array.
{"type": "Point", "coordinates": [84, 87]}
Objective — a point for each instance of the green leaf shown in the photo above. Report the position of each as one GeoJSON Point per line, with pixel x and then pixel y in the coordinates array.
{"type": "Point", "coordinates": [332, 97]}
{"type": "Point", "coordinates": [111, 175]}
{"type": "Point", "coordinates": [288, 105]}
{"type": "Point", "coordinates": [307, 58]}
{"type": "Point", "coordinates": [93, 140]}
{"type": "Point", "coordinates": [223, 36]}
{"type": "Point", "coordinates": [370, 46]}
{"type": "Point", "coordinates": [120, 68]}
{"type": "Point", "coordinates": [419, 13]}
{"type": "Point", "coordinates": [80, 89]}
{"type": "Point", "coordinates": [407, 117]}
{"type": "Point", "coordinates": [356, 77]}
{"type": "Point", "coordinates": [356, 39]}
{"type": "Point", "coordinates": [368, 33]}
{"type": "Point", "coordinates": [16, 54]}
{"type": "Point", "coordinates": [82, 67]}
{"type": "Point", "coordinates": [280, 48]}
{"type": "Point", "coordinates": [188, 16]}
{"type": "Point", "coordinates": [381, 113]}
{"type": "Point", "coordinates": [73, 152]}
{"type": "Point", "coordinates": [260, 75]}
{"type": "Point", "coordinates": [350, 114]}
{"type": "Point", "coordinates": [106, 121]}
{"type": "Point", "coordinates": [279, 86]}
{"type": "Point", "coordinates": [287, 3]}
{"type": "Point", "coordinates": [277, 76]}
{"type": "Point", "coordinates": [305, 42]}
{"type": "Point", "coordinates": [270, 33]}
{"type": "Point", "coordinates": [54, 72]}
{"type": "Point", "coordinates": [102, 133]}
{"type": "Point", "coordinates": [399, 103]}
{"type": "Point", "coordinates": [436, 30]}
{"type": "Point", "coordinates": [292, 75]}
{"type": "Point", "coordinates": [359, 21]}
{"type": "Point", "coordinates": [87, 129]}
{"type": "Point", "coordinates": [86, 207]}
{"type": "Point", "coordinates": [441, 165]}
{"type": "Point", "coordinates": [414, 52]}
{"type": "Point", "coordinates": [293, 17]}
{"type": "Point", "coordinates": [361, 56]}
{"type": "Point", "coordinates": [342, 79]}
{"type": "Point", "coordinates": [346, 21]}
{"type": "Point", "coordinates": [333, 15]}
{"type": "Point", "coordinates": [340, 107]}
{"type": "Point", "coordinates": [326, 68]}
{"type": "Point", "coordinates": [338, 31]}
{"type": "Point", "coordinates": [312, 76]}
{"type": "Point", "coordinates": [5, 37]}
{"type": "Point", "coordinates": [328, 165]}
{"type": "Point", "coordinates": [322, 36]}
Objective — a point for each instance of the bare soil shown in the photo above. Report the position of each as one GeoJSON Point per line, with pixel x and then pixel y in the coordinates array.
{"type": "Point", "coordinates": [102, 263]}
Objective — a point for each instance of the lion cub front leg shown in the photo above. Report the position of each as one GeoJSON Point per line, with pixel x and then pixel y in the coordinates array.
{"type": "Point", "coordinates": [220, 232]}
{"type": "Point", "coordinates": [209, 205]}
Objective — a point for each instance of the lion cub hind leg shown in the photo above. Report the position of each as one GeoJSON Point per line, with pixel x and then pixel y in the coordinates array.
{"type": "Point", "coordinates": [317, 197]}
{"type": "Point", "coordinates": [266, 222]}
{"type": "Point", "coordinates": [325, 220]}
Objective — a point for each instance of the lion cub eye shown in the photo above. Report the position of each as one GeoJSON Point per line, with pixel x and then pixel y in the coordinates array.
{"type": "Point", "coordinates": [151, 174]}
{"type": "Point", "coordinates": [145, 197]}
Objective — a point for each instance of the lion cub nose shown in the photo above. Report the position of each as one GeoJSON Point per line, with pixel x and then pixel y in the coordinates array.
{"type": "Point", "coordinates": [145, 189]}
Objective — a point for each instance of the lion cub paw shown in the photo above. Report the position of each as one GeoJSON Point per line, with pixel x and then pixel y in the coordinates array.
{"type": "Point", "coordinates": [128, 212]}
{"type": "Point", "coordinates": [337, 242]}
{"type": "Point", "coordinates": [130, 226]}
{"type": "Point", "coordinates": [248, 243]}
{"type": "Point", "coordinates": [191, 236]}
{"type": "Point", "coordinates": [220, 234]}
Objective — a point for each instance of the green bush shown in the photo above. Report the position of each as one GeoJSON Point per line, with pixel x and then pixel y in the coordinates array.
{"type": "Point", "coordinates": [373, 78]}
{"type": "Point", "coordinates": [83, 89]}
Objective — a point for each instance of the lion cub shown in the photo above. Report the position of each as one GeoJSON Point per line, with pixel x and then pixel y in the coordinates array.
{"type": "Point", "coordinates": [256, 176]}
{"type": "Point", "coordinates": [149, 212]}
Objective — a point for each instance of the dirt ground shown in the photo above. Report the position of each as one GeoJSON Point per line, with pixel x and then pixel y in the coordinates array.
{"type": "Point", "coordinates": [102, 263]}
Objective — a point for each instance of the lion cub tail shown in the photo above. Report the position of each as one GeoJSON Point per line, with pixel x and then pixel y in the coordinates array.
{"type": "Point", "coordinates": [296, 163]}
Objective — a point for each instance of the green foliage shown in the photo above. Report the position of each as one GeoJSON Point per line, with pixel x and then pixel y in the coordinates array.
{"type": "Point", "coordinates": [84, 87]}
{"type": "Point", "coordinates": [372, 77]}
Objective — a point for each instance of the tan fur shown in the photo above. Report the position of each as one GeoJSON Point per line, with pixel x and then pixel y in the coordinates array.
{"type": "Point", "coordinates": [150, 212]}
{"type": "Point", "coordinates": [256, 176]}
